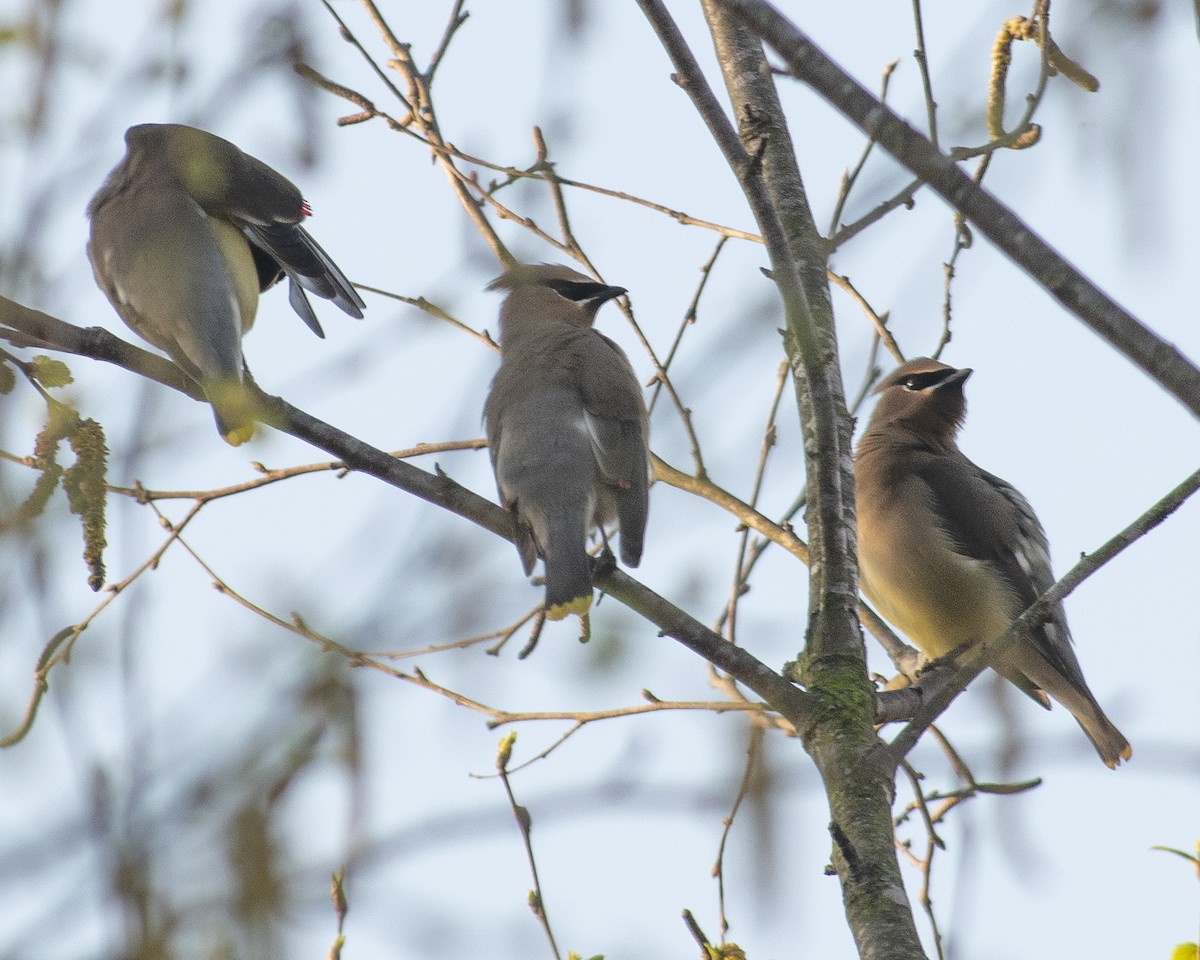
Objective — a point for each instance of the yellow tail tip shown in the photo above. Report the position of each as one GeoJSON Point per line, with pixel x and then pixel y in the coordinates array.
{"type": "Point", "coordinates": [576, 605]}
{"type": "Point", "coordinates": [1113, 762]}
{"type": "Point", "coordinates": [235, 409]}
{"type": "Point", "coordinates": [239, 435]}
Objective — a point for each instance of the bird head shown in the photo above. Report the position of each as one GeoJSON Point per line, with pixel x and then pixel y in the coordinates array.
{"type": "Point", "coordinates": [925, 396]}
{"type": "Point", "coordinates": [546, 293]}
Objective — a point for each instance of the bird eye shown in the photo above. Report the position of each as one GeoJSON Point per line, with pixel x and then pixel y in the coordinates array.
{"type": "Point", "coordinates": [917, 382]}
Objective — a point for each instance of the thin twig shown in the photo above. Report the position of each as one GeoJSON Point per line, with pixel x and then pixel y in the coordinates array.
{"type": "Point", "coordinates": [583, 717]}
{"type": "Point", "coordinates": [537, 901]}
{"type": "Point", "coordinates": [925, 864]}
{"type": "Point", "coordinates": [850, 178]}
{"type": "Point", "coordinates": [1162, 361]}
{"type": "Point", "coordinates": [878, 321]}
{"type": "Point", "coordinates": [435, 311]}
{"type": "Point", "coordinates": [457, 19]}
{"type": "Point", "coordinates": [753, 751]}
{"type": "Point", "coordinates": [903, 198]}
{"type": "Point", "coordinates": [926, 83]}
{"type": "Point", "coordinates": [59, 648]}
{"type": "Point", "coordinates": [689, 317]}
{"type": "Point", "coordinates": [766, 445]}
{"type": "Point", "coordinates": [745, 513]}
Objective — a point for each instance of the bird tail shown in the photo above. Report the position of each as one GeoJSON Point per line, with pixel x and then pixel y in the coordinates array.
{"type": "Point", "coordinates": [632, 506]}
{"type": "Point", "coordinates": [1064, 682]}
{"type": "Point", "coordinates": [1109, 742]}
{"type": "Point", "coordinates": [234, 409]}
{"type": "Point", "coordinates": [568, 581]}
{"type": "Point", "coordinates": [562, 539]}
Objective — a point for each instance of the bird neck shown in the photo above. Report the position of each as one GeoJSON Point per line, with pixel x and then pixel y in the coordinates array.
{"type": "Point", "coordinates": [890, 434]}
{"type": "Point", "coordinates": [530, 333]}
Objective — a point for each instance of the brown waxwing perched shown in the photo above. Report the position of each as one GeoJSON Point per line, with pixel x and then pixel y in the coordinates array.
{"type": "Point", "coordinates": [567, 429]}
{"type": "Point", "coordinates": [951, 554]}
{"type": "Point", "coordinates": [186, 232]}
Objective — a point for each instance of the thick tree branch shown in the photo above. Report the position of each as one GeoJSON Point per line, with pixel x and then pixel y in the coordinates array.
{"type": "Point", "coordinates": [23, 326]}
{"type": "Point", "coordinates": [46, 332]}
{"type": "Point", "coordinates": [1013, 237]}
{"type": "Point", "coordinates": [795, 705]}
{"type": "Point", "coordinates": [858, 780]}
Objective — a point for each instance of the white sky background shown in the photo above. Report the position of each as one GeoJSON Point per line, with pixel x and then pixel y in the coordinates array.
{"type": "Point", "coordinates": [175, 679]}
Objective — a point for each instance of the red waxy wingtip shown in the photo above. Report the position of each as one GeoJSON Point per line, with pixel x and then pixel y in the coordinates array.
{"type": "Point", "coordinates": [305, 209]}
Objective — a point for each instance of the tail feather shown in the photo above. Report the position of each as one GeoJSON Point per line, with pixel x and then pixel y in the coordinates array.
{"type": "Point", "coordinates": [568, 581]}
{"type": "Point", "coordinates": [1064, 683]}
{"type": "Point", "coordinates": [1109, 742]}
{"type": "Point", "coordinates": [633, 533]}
{"type": "Point", "coordinates": [234, 409]}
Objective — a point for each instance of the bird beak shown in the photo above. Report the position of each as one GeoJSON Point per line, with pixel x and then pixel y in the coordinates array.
{"type": "Point", "coordinates": [604, 294]}
{"type": "Point", "coordinates": [958, 377]}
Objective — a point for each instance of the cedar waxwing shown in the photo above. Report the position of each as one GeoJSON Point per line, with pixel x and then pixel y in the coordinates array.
{"type": "Point", "coordinates": [566, 428]}
{"type": "Point", "coordinates": [186, 232]}
{"type": "Point", "coordinates": [951, 554]}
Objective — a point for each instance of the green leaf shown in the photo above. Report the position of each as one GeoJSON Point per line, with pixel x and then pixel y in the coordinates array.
{"type": "Point", "coordinates": [50, 373]}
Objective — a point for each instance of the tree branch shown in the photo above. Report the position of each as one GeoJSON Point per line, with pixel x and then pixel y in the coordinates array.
{"type": "Point", "coordinates": [438, 489]}
{"type": "Point", "coordinates": [859, 782]}
{"type": "Point", "coordinates": [1011, 236]}
{"type": "Point", "coordinates": [23, 326]}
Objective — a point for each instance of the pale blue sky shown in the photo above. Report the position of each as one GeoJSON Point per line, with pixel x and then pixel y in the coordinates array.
{"type": "Point", "coordinates": [176, 673]}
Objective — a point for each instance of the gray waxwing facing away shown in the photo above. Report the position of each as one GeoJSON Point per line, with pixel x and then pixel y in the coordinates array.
{"type": "Point", "coordinates": [951, 554]}
{"type": "Point", "coordinates": [186, 232]}
{"type": "Point", "coordinates": [566, 426]}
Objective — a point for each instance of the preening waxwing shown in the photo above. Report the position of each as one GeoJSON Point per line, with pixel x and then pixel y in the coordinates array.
{"type": "Point", "coordinates": [186, 232]}
{"type": "Point", "coordinates": [951, 554]}
{"type": "Point", "coordinates": [567, 429]}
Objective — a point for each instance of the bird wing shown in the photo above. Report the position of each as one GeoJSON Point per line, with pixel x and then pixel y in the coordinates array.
{"type": "Point", "coordinates": [157, 258]}
{"type": "Point", "coordinates": [612, 400]}
{"type": "Point", "coordinates": [979, 510]}
{"type": "Point", "coordinates": [307, 266]}
{"type": "Point", "coordinates": [617, 425]}
{"type": "Point", "coordinates": [495, 412]}
{"type": "Point", "coordinates": [268, 208]}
